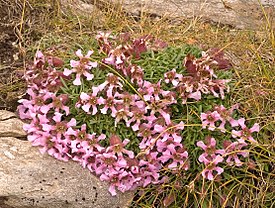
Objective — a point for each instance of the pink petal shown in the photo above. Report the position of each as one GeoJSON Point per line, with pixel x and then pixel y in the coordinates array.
{"type": "Point", "coordinates": [47, 127]}
{"type": "Point", "coordinates": [66, 109]}
{"type": "Point", "coordinates": [94, 110]}
{"type": "Point", "coordinates": [89, 53]}
{"type": "Point", "coordinates": [79, 53]}
{"type": "Point", "coordinates": [196, 95]}
{"type": "Point", "coordinates": [72, 122]}
{"type": "Point", "coordinates": [104, 177]}
{"type": "Point", "coordinates": [175, 82]}
{"type": "Point", "coordinates": [159, 128]}
{"type": "Point", "coordinates": [88, 76]}
{"type": "Point", "coordinates": [110, 92]}
{"type": "Point", "coordinates": [135, 127]}
{"type": "Point", "coordinates": [147, 97]}
{"type": "Point", "coordinates": [118, 60]}
{"type": "Point", "coordinates": [202, 159]}
{"type": "Point", "coordinates": [67, 72]}
{"type": "Point", "coordinates": [39, 55]}
{"type": "Point", "coordinates": [173, 165]}
{"type": "Point", "coordinates": [140, 104]}
{"type": "Point", "coordinates": [45, 109]}
{"type": "Point", "coordinates": [86, 107]}
{"type": "Point", "coordinates": [252, 140]}
{"type": "Point", "coordinates": [57, 117]}
{"type": "Point", "coordinates": [255, 128]}
{"type": "Point", "coordinates": [100, 100]}
{"type": "Point", "coordinates": [77, 81]}
{"type": "Point", "coordinates": [110, 60]}
{"type": "Point", "coordinates": [70, 131]}
{"type": "Point", "coordinates": [218, 159]}
{"type": "Point", "coordinates": [219, 170]}
{"type": "Point", "coordinates": [84, 96]}
{"type": "Point", "coordinates": [104, 110]}
{"type": "Point", "coordinates": [236, 133]}
{"type": "Point", "coordinates": [166, 117]}
{"type": "Point", "coordinates": [177, 138]}
{"type": "Point", "coordinates": [212, 142]}
{"type": "Point", "coordinates": [95, 90]}
{"type": "Point", "coordinates": [233, 122]}
{"type": "Point", "coordinates": [204, 172]}
{"type": "Point", "coordinates": [201, 145]}
{"type": "Point", "coordinates": [112, 190]}
{"type": "Point", "coordinates": [204, 116]}
{"type": "Point", "coordinates": [74, 63]}
{"type": "Point", "coordinates": [101, 137]}
{"type": "Point", "coordinates": [241, 122]}
{"type": "Point", "coordinates": [93, 64]}
{"type": "Point", "coordinates": [210, 176]}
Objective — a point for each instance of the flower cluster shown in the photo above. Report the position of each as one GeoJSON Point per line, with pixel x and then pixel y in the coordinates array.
{"type": "Point", "coordinates": [146, 110]}
{"type": "Point", "coordinates": [217, 120]}
{"type": "Point", "coordinates": [200, 79]}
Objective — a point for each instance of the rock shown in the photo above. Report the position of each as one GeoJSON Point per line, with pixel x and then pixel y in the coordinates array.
{"type": "Point", "coordinates": [78, 6]}
{"type": "Point", "coordinates": [4, 115]}
{"type": "Point", "coordinates": [83, 8]}
{"type": "Point", "coordinates": [238, 13]}
{"type": "Point", "coordinates": [11, 127]}
{"type": "Point", "coordinates": [29, 179]}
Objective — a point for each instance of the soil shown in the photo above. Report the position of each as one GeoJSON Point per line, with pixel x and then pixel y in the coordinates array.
{"type": "Point", "coordinates": [11, 82]}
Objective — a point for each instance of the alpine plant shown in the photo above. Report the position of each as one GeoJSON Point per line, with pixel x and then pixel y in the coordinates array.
{"type": "Point", "coordinates": [57, 95]}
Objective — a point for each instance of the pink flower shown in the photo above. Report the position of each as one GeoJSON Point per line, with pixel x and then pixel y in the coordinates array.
{"type": "Point", "coordinates": [149, 169]}
{"type": "Point", "coordinates": [172, 77]}
{"type": "Point", "coordinates": [159, 106]}
{"type": "Point", "coordinates": [233, 150]}
{"type": "Point", "coordinates": [112, 82]}
{"type": "Point", "coordinates": [30, 108]}
{"type": "Point", "coordinates": [178, 155]}
{"type": "Point", "coordinates": [209, 118]}
{"type": "Point", "coordinates": [88, 159]}
{"type": "Point", "coordinates": [209, 148]}
{"type": "Point", "coordinates": [170, 130]}
{"type": "Point", "coordinates": [81, 67]}
{"type": "Point", "coordinates": [246, 133]}
{"type": "Point", "coordinates": [36, 124]}
{"type": "Point", "coordinates": [136, 74]}
{"type": "Point", "coordinates": [117, 146]}
{"type": "Point", "coordinates": [121, 180]}
{"type": "Point", "coordinates": [226, 115]}
{"type": "Point", "coordinates": [145, 130]}
{"type": "Point", "coordinates": [60, 127]}
{"type": "Point", "coordinates": [211, 165]}
{"type": "Point", "coordinates": [92, 100]}
{"type": "Point", "coordinates": [122, 113]}
{"type": "Point", "coordinates": [218, 86]}
{"type": "Point", "coordinates": [103, 40]}
{"type": "Point", "coordinates": [109, 162]}
{"type": "Point", "coordinates": [58, 103]}
{"type": "Point", "coordinates": [169, 144]}
{"type": "Point", "coordinates": [116, 56]}
{"type": "Point", "coordinates": [137, 117]}
{"type": "Point", "coordinates": [109, 103]}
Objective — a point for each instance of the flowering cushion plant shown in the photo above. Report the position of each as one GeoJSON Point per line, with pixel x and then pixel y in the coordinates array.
{"type": "Point", "coordinates": [122, 114]}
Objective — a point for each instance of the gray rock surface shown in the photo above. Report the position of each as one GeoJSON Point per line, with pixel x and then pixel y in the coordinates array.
{"type": "Point", "coordinates": [10, 126]}
{"type": "Point", "coordinates": [238, 13]}
{"type": "Point", "coordinates": [31, 180]}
